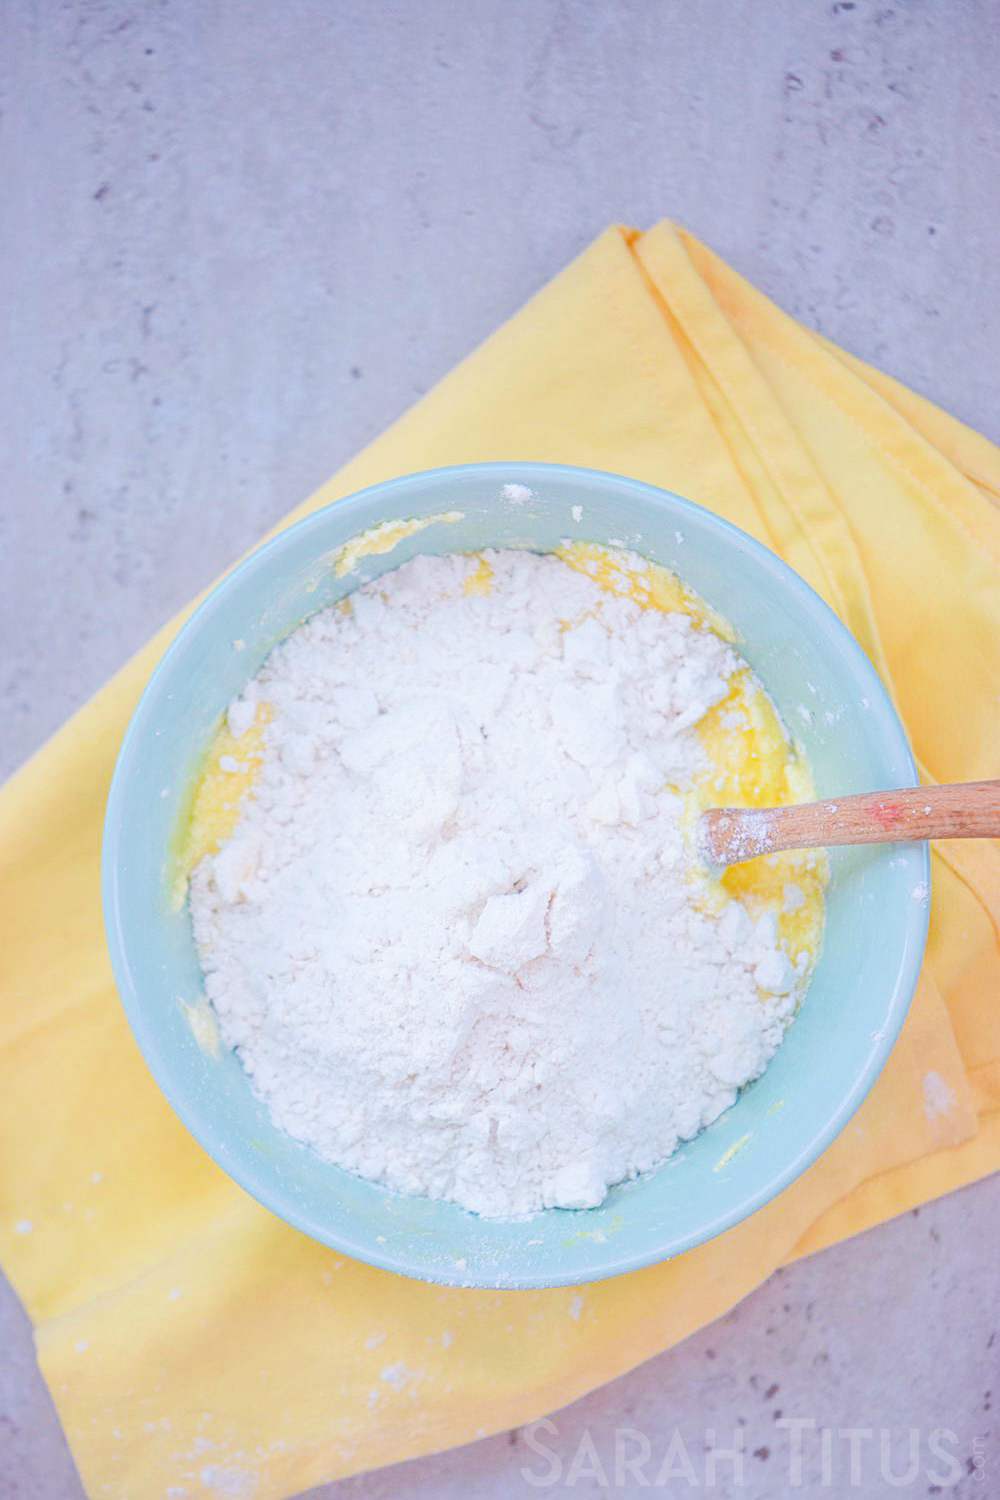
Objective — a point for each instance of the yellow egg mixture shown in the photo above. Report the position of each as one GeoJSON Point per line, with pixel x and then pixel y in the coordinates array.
{"type": "Point", "coordinates": [752, 762]}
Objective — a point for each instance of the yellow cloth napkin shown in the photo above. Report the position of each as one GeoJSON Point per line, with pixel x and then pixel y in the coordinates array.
{"type": "Point", "coordinates": [193, 1340]}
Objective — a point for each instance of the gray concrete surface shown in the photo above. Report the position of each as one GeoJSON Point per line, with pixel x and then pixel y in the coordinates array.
{"type": "Point", "coordinates": [236, 240]}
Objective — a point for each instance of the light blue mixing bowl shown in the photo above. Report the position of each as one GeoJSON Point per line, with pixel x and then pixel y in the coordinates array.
{"type": "Point", "coordinates": [876, 908]}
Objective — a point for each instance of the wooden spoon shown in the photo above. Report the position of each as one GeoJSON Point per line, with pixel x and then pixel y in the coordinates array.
{"type": "Point", "coordinates": [964, 810]}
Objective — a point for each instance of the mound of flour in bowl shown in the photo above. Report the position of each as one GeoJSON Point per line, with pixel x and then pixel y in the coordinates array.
{"type": "Point", "coordinates": [457, 936]}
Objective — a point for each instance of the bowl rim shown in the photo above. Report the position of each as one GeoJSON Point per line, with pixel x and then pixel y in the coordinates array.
{"type": "Point", "coordinates": [186, 1103]}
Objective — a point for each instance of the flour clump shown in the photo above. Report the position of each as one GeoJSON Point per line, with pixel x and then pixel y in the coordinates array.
{"type": "Point", "coordinates": [458, 936]}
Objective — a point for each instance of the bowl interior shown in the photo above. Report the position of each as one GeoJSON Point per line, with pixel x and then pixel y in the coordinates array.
{"type": "Point", "coordinates": [876, 908]}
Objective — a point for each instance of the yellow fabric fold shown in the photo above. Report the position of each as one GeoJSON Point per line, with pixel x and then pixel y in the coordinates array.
{"type": "Point", "coordinates": [192, 1340]}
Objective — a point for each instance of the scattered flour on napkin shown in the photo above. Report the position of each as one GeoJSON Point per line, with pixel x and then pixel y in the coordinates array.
{"type": "Point", "coordinates": [457, 937]}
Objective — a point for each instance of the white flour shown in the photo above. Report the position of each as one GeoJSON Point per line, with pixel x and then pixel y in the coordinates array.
{"type": "Point", "coordinates": [455, 936]}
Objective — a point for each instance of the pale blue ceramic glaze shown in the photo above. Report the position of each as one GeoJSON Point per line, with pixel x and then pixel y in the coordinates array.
{"type": "Point", "coordinates": [876, 908]}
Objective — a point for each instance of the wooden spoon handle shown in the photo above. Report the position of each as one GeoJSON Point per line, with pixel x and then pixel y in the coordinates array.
{"type": "Point", "coordinates": [964, 810]}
